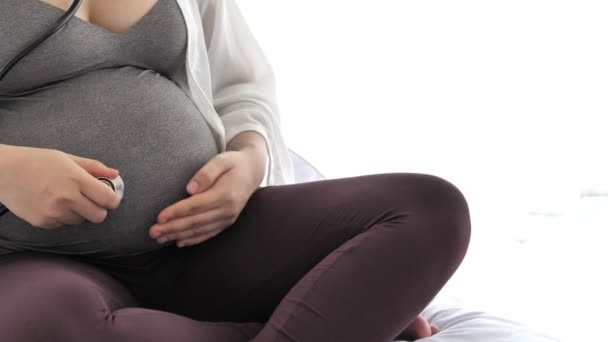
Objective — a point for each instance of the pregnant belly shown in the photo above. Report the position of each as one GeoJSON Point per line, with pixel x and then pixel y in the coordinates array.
{"type": "Point", "coordinates": [131, 119]}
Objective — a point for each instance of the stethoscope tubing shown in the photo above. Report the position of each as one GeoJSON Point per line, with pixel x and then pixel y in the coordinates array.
{"type": "Point", "coordinates": [35, 42]}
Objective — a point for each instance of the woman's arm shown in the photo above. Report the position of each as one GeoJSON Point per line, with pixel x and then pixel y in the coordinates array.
{"type": "Point", "coordinates": [243, 83]}
{"type": "Point", "coordinates": [5, 156]}
{"type": "Point", "coordinates": [254, 144]}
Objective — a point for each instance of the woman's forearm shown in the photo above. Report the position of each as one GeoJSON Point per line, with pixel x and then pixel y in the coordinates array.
{"type": "Point", "coordinates": [6, 153]}
{"type": "Point", "coordinates": [245, 139]}
{"type": "Point", "coordinates": [253, 141]}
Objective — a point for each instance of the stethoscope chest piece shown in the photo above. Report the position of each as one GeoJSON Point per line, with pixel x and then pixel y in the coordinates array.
{"type": "Point", "coordinates": [116, 184]}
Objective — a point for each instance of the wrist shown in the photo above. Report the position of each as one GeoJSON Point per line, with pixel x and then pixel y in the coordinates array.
{"type": "Point", "coordinates": [5, 156]}
{"type": "Point", "coordinates": [6, 153]}
{"type": "Point", "coordinates": [254, 144]}
{"type": "Point", "coordinates": [259, 163]}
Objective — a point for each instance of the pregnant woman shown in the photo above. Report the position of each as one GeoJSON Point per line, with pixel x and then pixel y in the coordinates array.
{"type": "Point", "coordinates": [177, 98]}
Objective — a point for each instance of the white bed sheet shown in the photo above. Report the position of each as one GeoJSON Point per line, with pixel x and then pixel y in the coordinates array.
{"type": "Point", "coordinates": [458, 324]}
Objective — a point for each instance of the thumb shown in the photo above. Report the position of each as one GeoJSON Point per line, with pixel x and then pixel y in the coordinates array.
{"type": "Point", "coordinates": [206, 176]}
{"type": "Point", "coordinates": [94, 167]}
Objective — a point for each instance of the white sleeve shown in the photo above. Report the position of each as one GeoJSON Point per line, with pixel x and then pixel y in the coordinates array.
{"type": "Point", "coordinates": [243, 83]}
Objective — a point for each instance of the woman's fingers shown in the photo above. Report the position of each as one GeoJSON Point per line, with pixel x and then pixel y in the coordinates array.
{"type": "Point", "coordinates": [89, 210]}
{"type": "Point", "coordinates": [184, 224]}
{"type": "Point", "coordinates": [72, 218]}
{"type": "Point", "coordinates": [94, 167]}
{"type": "Point", "coordinates": [207, 234]}
{"type": "Point", "coordinates": [192, 205]}
{"type": "Point", "coordinates": [98, 192]}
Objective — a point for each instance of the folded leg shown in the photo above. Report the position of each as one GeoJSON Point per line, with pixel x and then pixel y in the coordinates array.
{"type": "Point", "coordinates": [348, 259]}
{"type": "Point", "coordinates": [50, 298]}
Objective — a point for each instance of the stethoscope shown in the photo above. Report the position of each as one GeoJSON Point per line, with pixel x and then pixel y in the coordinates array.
{"type": "Point", "coordinates": [116, 183]}
{"type": "Point", "coordinates": [37, 41]}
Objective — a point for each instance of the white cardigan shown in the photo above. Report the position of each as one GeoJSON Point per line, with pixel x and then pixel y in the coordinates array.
{"type": "Point", "coordinates": [229, 79]}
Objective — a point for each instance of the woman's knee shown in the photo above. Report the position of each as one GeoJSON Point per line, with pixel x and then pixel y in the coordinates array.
{"type": "Point", "coordinates": [439, 208]}
{"type": "Point", "coordinates": [449, 209]}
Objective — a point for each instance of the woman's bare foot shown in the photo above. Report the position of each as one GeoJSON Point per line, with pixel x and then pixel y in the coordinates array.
{"type": "Point", "coordinates": [419, 328]}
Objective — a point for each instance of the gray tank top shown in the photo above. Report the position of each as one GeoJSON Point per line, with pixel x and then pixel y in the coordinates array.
{"type": "Point", "coordinates": [106, 96]}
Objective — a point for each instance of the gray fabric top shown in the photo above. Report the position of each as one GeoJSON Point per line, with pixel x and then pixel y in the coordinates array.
{"type": "Point", "coordinates": [111, 100]}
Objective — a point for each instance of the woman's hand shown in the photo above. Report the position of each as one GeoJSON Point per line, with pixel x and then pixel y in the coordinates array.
{"type": "Point", "coordinates": [49, 188]}
{"type": "Point", "coordinates": [223, 186]}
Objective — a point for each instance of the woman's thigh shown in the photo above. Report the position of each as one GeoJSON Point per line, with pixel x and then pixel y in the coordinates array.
{"type": "Point", "coordinates": [242, 274]}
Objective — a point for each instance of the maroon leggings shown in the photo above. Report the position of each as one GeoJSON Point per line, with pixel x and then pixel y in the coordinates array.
{"type": "Point", "coordinates": [348, 259]}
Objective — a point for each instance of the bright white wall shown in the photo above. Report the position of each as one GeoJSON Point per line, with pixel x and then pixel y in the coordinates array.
{"type": "Point", "coordinates": [503, 97]}
{"type": "Point", "coordinates": [506, 99]}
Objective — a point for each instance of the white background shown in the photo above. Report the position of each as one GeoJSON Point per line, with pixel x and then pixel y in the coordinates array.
{"type": "Point", "coordinates": [507, 100]}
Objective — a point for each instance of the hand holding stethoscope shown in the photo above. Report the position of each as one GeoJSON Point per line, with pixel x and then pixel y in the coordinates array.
{"type": "Point", "coordinates": [49, 188]}
{"type": "Point", "coordinates": [116, 183]}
